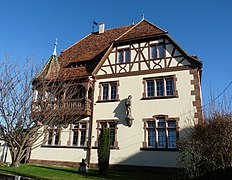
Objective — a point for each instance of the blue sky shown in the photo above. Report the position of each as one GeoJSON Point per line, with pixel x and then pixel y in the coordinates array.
{"type": "Point", "coordinates": [28, 29]}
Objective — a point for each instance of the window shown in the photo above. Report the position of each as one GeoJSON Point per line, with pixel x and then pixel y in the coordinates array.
{"type": "Point", "coordinates": [124, 56]}
{"type": "Point", "coordinates": [161, 132]}
{"type": "Point", "coordinates": [112, 125]}
{"type": "Point", "coordinates": [160, 124]}
{"type": "Point", "coordinates": [151, 133]}
{"type": "Point", "coordinates": [169, 87]}
{"type": "Point", "coordinates": [113, 92]}
{"type": "Point", "coordinates": [105, 93]}
{"type": "Point", "coordinates": [53, 136]}
{"type": "Point", "coordinates": [159, 87]}
{"type": "Point", "coordinates": [150, 88]}
{"type": "Point", "coordinates": [157, 51]}
{"type": "Point", "coordinates": [79, 134]}
{"type": "Point", "coordinates": [108, 91]}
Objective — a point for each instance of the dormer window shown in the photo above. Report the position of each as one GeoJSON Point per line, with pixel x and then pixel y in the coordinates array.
{"type": "Point", "coordinates": [124, 55]}
{"type": "Point", "coordinates": [77, 64]}
{"type": "Point", "coordinates": [157, 51]}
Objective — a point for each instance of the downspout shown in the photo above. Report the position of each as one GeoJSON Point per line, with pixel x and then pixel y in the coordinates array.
{"type": "Point", "coordinates": [89, 148]}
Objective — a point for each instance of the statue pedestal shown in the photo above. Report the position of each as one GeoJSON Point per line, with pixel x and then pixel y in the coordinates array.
{"type": "Point", "coordinates": [129, 120]}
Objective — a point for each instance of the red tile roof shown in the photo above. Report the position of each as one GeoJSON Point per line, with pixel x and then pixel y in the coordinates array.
{"type": "Point", "coordinates": [51, 69]}
{"type": "Point", "coordinates": [86, 53]}
{"type": "Point", "coordinates": [81, 58]}
{"type": "Point", "coordinates": [142, 29]}
{"type": "Point", "coordinates": [91, 46]}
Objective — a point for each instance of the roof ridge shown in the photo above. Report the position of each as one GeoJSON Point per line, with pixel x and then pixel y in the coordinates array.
{"type": "Point", "coordinates": [137, 25]}
{"type": "Point", "coordinates": [76, 42]}
{"type": "Point", "coordinates": [127, 31]}
{"type": "Point", "coordinates": [117, 27]}
{"type": "Point", "coordinates": [154, 25]}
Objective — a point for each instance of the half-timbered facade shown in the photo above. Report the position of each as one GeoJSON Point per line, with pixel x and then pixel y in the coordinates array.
{"type": "Point", "coordinates": [97, 77]}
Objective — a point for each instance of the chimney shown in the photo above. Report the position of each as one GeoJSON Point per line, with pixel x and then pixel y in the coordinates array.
{"type": "Point", "coordinates": [101, 28]}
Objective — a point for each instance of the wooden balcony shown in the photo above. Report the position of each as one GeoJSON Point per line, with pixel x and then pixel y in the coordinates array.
{"type": "Point", "coordinates": [73, 108]}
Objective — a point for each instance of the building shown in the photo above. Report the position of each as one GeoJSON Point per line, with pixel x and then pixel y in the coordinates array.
{"type": "Point", "coordinates": [134, 79]}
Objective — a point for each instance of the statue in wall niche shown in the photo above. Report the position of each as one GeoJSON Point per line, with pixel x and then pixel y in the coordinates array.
{"type": "Point", "coordinates": [129, 117]}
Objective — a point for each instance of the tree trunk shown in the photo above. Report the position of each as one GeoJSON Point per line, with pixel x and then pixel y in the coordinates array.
{"type": "Point", "coordinates": [15, 163]}
{"type": "Point", "coordinates": [15, 158]}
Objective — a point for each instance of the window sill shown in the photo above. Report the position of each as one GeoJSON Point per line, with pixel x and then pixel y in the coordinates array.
{"type": "Point", "coordinates": [57, 146]}
{"type": "Point", "coordinates": [113, 148]}
{"type": "Point", "coordinates": [157, 58]}
{"type": "Point", "coordinates": [105, 101]}
{"type": "Point", "coordinates": [158, 149]}
{"type": "Point", "coordinates": [124, 62]}
{"type": "Point", "coordinates": [159, 97]}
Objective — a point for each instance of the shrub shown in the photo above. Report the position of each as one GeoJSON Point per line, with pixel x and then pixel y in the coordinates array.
{"type": "Point", "coordinates": [207, 146]}
{"type": "Point", "coordinates": [104, 151]}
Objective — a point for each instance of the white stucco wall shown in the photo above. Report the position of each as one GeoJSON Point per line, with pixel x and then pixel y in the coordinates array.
{"type": "Point", "coordinates": [58, 154]}
{"type": "Point", "coordinates": [130, 138]}
{"type": "Point", "coordinates": [71, 154]}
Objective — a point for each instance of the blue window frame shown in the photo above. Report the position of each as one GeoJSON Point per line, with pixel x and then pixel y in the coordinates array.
{"type": "Point", "coordinates": [113, 89]}
{"type": "Point", "coordinates": [151, 134]}
{"type": "Point", "coordinates": [161, 138]}
{"type": "Point", "coordinates": [124, 55]}
{"type": "Point", "coordinates": [105, 93]}
{"type": "Point", "coordinates": [108, 91]}
{"type": "Point", "coordinates": [160, 87]}
{"type": "Point", "coordinates": [161, 133]}
{"type": "Point", "coordinates": [169, 87]}
{"type": "Point", "coordinates": [157, 51]}
{"type": "Point", "coordinates": [120, 56]}
{"type": "Point", "coordinates": [150, 88]}
{"type": "Point", "coordinates": [160, 51]}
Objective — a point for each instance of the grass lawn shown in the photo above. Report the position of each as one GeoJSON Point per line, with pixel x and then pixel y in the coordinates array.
{"type": "Point", "coordinates": [52, 172]}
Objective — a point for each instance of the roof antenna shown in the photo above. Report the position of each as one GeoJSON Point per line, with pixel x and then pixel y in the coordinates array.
{"type": "Point", "coordinates": [55, 44]}
{"type": "Point", "coordinates": [142, 17]}
{"type": "Point", "coordinates": [94, 24]}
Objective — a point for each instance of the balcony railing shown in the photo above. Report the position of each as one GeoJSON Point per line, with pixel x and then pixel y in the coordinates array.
{"type": "Point", "coordinates": [66, 107]}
